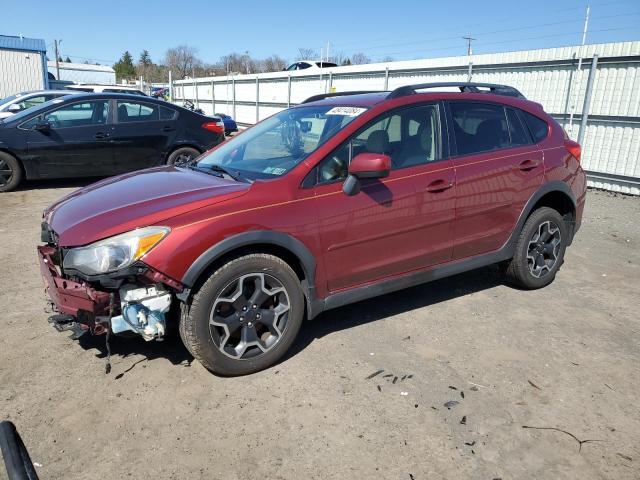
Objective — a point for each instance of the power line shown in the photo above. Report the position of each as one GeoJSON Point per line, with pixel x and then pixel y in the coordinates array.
{"type": "Point", "coordinates": [492, 32]}
{"type": "Point", "coordinates": [512, 40]}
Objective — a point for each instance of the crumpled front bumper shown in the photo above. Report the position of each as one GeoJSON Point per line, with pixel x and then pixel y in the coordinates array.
{"type": "Point", "coordinates": [70, 297]}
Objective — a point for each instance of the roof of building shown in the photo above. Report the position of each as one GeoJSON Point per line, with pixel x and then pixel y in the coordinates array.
{"type": "Point", "coordinates": [22, 44]}
{"type": "Point", "coordinates": [80, 66]}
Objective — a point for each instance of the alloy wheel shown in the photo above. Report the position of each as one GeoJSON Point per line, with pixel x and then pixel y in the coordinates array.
{"type": "Point", "coordinates": [6, 172]}
{"type": "Point", "coordinates": [249, 316]}
{"type": "Point", "coordinates": [543, 249]}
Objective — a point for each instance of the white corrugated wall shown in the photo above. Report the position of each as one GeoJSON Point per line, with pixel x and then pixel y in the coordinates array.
{"type": "Point", "coordinates": [20, 71]}
{"type": "Point", "coordinates": [611, 146]}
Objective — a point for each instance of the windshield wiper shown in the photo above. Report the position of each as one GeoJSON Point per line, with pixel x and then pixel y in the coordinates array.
{"type": "Point", "coordinates": [235, 176]}
{"type": "Point", "coordinates": [204, 170]}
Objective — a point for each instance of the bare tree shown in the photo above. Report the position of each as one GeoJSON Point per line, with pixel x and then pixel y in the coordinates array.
{"type": "Point", "coordinates": [338, 58]}
{"type": "Point", "coordinates": [307, 54]}
{"type": "Point", "coordinates": [387, 59]}
{"type": "Point", "coordinates": [359, 59]}
{"type": "Point", "coordinates": [182, 60]}
{"type": "Point", "coordinates": [274, 63]}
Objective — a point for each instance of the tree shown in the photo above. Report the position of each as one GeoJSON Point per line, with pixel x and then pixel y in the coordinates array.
{"type": "Point", "coordinates": [145, 58]}
{"type": "Point", "coordinates": [182, 60]}
{"type": "Point", "coordinates": [274, 63]}
{"type": "Point", "coordinates": [359, 59]}
{"type": "Point", "coordinates": [388, 59]}
{"type": "Point", "coordinates": [124, 67]}
{"type": "Point", "coordinates": [307, 54]}
{"type": "Point", "coordinates": [68, 60]}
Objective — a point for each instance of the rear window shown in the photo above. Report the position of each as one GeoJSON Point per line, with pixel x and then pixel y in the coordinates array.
{"type": "Point", "coordinates": [538, 127]}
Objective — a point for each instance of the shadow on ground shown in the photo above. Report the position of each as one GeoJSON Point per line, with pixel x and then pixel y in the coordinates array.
{"type": "Point", "coordinates": [329, 322]}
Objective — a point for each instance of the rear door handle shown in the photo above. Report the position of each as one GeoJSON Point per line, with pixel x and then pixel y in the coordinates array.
{"type": "Point", "coordinates": [168, 128]}
{"type": "Point", "coordinates": [528, 165]}
{"type": "Point", "coordinates": [101, 136]}
{"type": "Point", "coordinates": [439, 185]}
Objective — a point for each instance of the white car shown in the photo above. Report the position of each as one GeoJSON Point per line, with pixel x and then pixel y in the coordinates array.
{"type": "Point", "coordinates": [24, 100]}
{"type": "Point", "coordinates": [105, 88]}
{"type": "Point", "coordinates": [313, 65]}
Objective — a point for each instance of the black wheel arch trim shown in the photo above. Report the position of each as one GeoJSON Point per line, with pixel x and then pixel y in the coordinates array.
{"type": "Point", "coordinates": [550, 187]}
{"type": "Point", "coordinates": [259, 237]}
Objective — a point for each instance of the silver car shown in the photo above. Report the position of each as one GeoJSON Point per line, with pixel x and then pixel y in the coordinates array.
{"type": "Point", "coordinates": [24, 100]}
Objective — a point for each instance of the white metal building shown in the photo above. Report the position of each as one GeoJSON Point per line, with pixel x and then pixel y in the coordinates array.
{"type": "Point", "coordinates": [82, 73]}
{"type": "Point", "coordinates": [22, 65]}
{"type": "Point", "coordinates": [611, 146]}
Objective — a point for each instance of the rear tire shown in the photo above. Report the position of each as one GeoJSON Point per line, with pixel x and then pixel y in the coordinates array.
{"type": "Point", "coordinates": [182, 155]}
{"type": "Point", "coordinates": [10, 172]}
{"type": "Point", "coordinates": [245, 316]}
{"type": "Point", "coordinates": [540, 249]}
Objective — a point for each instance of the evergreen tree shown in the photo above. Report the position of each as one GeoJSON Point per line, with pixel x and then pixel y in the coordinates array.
{"type": "Point", "coordinates": [124, 67]}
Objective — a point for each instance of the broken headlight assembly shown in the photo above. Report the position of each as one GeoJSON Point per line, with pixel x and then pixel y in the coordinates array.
{"type": "Point", "coordinates": [114, 253]}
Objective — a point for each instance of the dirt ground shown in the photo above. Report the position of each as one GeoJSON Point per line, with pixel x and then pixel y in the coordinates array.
{"type": "Point", "coordinates": [565, 357]}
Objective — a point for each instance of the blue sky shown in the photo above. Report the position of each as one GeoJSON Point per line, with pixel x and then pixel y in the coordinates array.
{"type": "Point", "coordinates": [101, 31]}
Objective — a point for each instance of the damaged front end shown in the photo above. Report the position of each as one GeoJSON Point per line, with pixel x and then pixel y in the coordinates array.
{"type": "Point", "coordinates": [130, 298]}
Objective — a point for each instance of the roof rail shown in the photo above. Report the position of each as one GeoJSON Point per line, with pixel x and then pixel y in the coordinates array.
{"type": "Point", "coordinates": [322, 96]}
{"type": "Point", "coordinates": [463, 86]}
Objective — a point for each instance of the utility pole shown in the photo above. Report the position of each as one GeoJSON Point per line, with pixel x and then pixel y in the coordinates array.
{"type": "Point", "coordinates": [55, 42]}
{"type": "Point", "coordinates": [579, 69]}
{"type": "Point", "coordinates": [469, 39]}
{"type": "Point", "coordinates": [328, 43]}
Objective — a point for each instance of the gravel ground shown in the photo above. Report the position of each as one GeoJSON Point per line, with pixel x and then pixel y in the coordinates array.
{"type": "Point", "coordinates": [565, 357]}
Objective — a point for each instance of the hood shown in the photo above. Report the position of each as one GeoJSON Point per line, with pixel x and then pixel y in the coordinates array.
{"type": "Point", "coordinates": [138, 199]}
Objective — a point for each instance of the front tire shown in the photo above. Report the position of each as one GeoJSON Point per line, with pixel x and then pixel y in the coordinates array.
{"type": "Point", "coordinates": [10, 172]}
{"type": "Point", "coordinates": [245, 316]}
{"type": "Point", "coordinates": [539, 250]}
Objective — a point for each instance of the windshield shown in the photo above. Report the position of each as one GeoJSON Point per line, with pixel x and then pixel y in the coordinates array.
{"type": "Point", "coordinates": [275, 146]}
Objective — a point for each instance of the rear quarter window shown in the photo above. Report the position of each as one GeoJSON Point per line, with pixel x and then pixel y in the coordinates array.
{"type": "Point", "coordinates": [539, 128]}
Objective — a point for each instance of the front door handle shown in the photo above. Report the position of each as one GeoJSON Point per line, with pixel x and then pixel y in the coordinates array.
{"type": "Point", "coordinates": [168, 128]}
{"type": "Point", "coordinates": [439, 185]}
{"type": "Point", "coordinates": [528, 165]}
{"type": "Point", "coordinates": [101, 136]}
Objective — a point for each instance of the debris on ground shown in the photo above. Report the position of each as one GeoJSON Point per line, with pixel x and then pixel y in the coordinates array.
{"type": "Point", "coordinates": [464, 420]}
{"type": "Point", "coordinates": [580, 442]}
{"type": "Point", "coordinates": [451, 403]}
{"type": "Point", "coordinates": [374, 374]}
{"type": "Point", "coordinates": [533, 385]}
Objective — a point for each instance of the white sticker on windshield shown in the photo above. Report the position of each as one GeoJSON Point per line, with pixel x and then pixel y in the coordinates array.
{"type": "Point", "coordinates": [274, 170]}
{"type": "Point", "coordinates": [346, 111]}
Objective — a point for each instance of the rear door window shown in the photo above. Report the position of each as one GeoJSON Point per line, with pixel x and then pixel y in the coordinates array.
{"type": "Point", "coordinates": [137, 112]}
{"type": "Point", "coordinates": [479, 127]}
{"type": "Point", "coordinates": [538, 127]}
{"type": "Point", "coordinates": [518, 133]}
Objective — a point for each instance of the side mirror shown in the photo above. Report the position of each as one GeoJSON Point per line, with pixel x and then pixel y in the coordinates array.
{"type": "Point", "coordinates": [42, 126]}
{"type": "Point", "coordinates": [14, 108]}
{"type": "Point", "coordinates": [366, 165]}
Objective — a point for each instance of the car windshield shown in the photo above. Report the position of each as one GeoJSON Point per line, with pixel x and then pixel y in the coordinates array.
{"type": "Point", "coordinates": [33, 111]}
{"type": "Point", "coordinates": [275, 146]}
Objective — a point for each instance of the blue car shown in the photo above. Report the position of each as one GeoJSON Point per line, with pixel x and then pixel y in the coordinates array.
{"type": "Point", "coordinates": [230, 124]}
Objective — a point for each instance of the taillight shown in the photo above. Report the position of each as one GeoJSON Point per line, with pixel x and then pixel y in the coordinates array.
{"type": "Point", "coordinates": [215, 127]}
{"type": "Point", "coordinates": [573, 148]}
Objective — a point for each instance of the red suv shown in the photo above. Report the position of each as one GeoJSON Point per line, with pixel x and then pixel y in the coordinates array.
{"type": "Point", "coordinates": [336, 200]}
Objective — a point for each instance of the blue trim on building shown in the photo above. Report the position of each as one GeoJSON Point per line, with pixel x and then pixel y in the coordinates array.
{"type": "Point", "coordinates": [22, 44]}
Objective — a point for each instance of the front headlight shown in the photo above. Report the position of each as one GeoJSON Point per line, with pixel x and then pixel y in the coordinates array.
{"type": "Point", "coordinates": [114, 253]}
